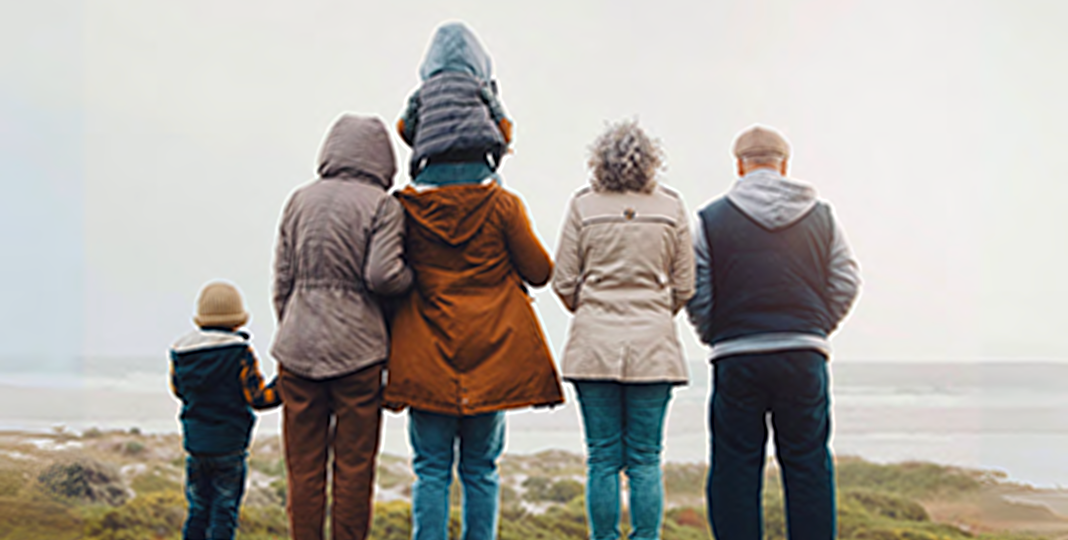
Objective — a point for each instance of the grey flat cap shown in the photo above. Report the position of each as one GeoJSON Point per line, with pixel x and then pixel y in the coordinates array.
{"type": "Point", "coordinates": [761, 141]}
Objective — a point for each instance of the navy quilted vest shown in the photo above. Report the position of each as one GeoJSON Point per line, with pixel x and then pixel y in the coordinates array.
{"type": "Point", "coordinates": [767, 281]}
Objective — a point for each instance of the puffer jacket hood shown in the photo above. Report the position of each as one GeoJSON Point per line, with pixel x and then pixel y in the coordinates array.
{"type": "Point", "coordinates": [454, 47]}
{"type": "Point", "coordinates": [451, 215]}
{"type": "Point", "coordinates": [358, 146]}
{"type": "Point", "coordinates": [772, 200]}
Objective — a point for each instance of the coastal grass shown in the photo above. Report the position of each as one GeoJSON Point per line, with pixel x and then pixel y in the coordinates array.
{"type": "Point", "coordinates": [542, 497]}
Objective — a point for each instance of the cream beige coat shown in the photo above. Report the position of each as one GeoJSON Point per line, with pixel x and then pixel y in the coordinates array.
{"type": "Point", "coordinates": [624, 267]}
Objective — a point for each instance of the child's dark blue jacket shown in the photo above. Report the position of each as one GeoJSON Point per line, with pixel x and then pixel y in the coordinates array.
{"type": "Point", "coordinates": [215, 373]}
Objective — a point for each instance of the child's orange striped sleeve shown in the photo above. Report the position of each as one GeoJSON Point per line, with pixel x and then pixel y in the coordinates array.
{"type": "Point", "coordinates": [258, 395]}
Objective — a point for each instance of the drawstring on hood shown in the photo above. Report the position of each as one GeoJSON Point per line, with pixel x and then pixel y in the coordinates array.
{"type": "Point", "coordinates": [454, 47]}
{"type": "Point", "coordinates": [772, 200]}
{"type": "Point", "coordinates": [358, 146]}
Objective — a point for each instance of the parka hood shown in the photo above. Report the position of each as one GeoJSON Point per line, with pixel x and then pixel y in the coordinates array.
{"type": "Point", "coordinates": [772, 200]}
{"type": "Point", "coordinates": [451, 213]}
{"type": "Point", "coordinates": [358, 146]}
{"type": "Point", "coordinates": [454, 47]}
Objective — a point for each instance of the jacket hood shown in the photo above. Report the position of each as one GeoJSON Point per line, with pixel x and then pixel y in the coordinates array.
{"type": "Point", "coordinates": [196, 366]}
{"type": "Point", "coordinates": [454, 47]}
{"type": "Point", "coordinates": [358, 146]}
{"type": "Point", "coordinates": [451, 213]}
{"type": "Point", "coordinates": [772, 200]}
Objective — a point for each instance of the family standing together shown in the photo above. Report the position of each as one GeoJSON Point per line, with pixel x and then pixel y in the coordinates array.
{"type": "Point", "coordinates": [418, 299]}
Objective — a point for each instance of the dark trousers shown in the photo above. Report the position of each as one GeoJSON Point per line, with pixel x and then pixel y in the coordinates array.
{"type": "Point", "coordinates": [791, 387]}
{"type": "Point", "coordinates": [214, 486]}
{"type": "Point", "coordinates": [340, 416]}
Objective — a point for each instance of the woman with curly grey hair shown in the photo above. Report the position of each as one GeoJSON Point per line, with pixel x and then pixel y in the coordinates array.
{"type": "Point", "coordinates": [624, 268]}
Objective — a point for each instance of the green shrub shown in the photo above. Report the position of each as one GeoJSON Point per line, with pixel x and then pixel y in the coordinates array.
{"type": "Point", "coordinates": [887, 505]}
{"type": "Point", "coordinates": [509, 496]}
{"type": "Point", "coordinates": [12, 481]}
{"type": "Point", "coordinates": [565, 490]}
{"type": "Point", "coordinates": [156, 515]}
{"type": "Point", "coordinates": [672, 530]}
{"type": "Point", "coordinates": [37, 519]}
{"type": "Point", "coordinates": [270, 467]}
{"type": "Point", "coordinates": [909, 479]}
{"type": "Point", "coordinates": [84, 480]}
{"type": "Point", "coordinates": [281, 489]}
{"type": "Point", "coordinates": [687, 517]}
{"type": "Point", "coordinates": [263, 522]}
{"type": "Point", "coordinates": [685, 478]}
{"type": "Point", "coordinates": [535, 488]}
{"type": "Point", "coordinates": [133, 448]}
{"type": "Point", "coordinates": [154, 481]}
{"type": "Point", "coordinates": [392, 521]}
{"type": "Point", "coordinates": [541, 489]}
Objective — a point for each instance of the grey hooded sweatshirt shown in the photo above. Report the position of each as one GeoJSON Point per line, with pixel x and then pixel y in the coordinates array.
{"type": "Point", "coordinates": [775, 203]}
{"type": "Point", "coordinates": [340, 243]}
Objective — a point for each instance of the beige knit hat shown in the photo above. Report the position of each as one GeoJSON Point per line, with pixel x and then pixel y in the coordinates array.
{"type": "Point", "coordinates": [220, 304]}
{"type": "Point", "coordinates": [761, 141]}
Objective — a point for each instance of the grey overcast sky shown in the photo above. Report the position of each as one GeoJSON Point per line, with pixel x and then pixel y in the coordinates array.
{"type": "Point", "coordinates": [147, 147]}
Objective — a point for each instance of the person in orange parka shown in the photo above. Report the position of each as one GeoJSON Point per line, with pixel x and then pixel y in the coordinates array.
{"type": "Point", "coordinates": [465, 344]}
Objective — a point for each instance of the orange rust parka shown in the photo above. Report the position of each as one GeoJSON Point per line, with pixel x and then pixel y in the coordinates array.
{"type": "Point", "coordinates": [466, 340]}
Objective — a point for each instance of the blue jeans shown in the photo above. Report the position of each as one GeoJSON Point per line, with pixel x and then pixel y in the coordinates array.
{"type": "Point", "coordinates": [791, 387]}
{"type": "Point", "coordinates": [434, 438]}
{"type": "Point", "coordinates": [214, 486]}
{"type": "Point", "coordinates": [624, 430]}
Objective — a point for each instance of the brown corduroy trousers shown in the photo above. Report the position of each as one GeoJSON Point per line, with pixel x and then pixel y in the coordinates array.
{"type": "Point", "coordinates": [341, 416]}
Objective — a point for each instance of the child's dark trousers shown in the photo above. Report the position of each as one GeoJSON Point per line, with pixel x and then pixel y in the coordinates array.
{"type": "Point", "coordinates": [214, 486]}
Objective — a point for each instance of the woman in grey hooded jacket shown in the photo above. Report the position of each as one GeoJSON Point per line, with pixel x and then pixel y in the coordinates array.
{"type": "Point", "coordinates": [340, 244]}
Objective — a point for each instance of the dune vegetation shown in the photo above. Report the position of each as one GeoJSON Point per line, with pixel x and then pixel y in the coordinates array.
{"type": "Point", "coordinates": [127, 485]}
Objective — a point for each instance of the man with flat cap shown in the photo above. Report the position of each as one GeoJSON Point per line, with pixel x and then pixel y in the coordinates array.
{"type": "Point", "coordinates": [775, 277]}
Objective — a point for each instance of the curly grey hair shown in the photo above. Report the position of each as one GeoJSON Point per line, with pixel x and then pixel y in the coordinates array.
{"type": "Point", "coordinates": [625, 158]}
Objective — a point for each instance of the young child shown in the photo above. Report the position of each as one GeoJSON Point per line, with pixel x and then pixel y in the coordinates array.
{"type": "Point", "coordinates": [454, 122]}
{"type": "Point", "coordinates": [215, 373]}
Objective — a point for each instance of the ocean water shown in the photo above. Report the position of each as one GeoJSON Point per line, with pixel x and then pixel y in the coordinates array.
{"type": "Point", "coordinates": [1006, 416]}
